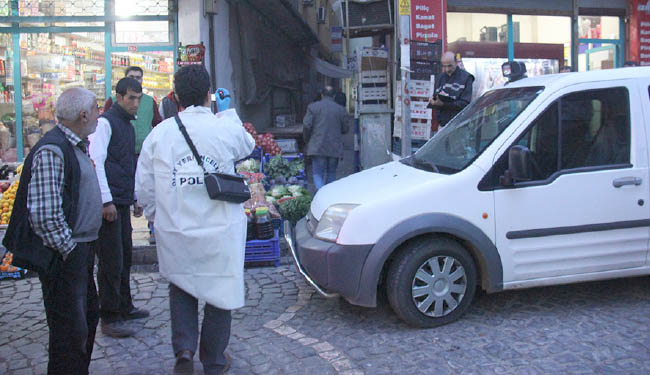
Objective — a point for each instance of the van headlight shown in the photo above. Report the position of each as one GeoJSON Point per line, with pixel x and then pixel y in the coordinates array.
{"type": "Point", "coordinates": [330, 224]}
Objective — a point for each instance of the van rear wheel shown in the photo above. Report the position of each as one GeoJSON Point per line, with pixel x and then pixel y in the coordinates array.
{"type": "Point", "coordinates": [431, 282]}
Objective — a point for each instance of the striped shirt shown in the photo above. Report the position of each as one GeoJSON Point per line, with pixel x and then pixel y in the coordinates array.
{"type": "Point", "coordinates": [45, 196]}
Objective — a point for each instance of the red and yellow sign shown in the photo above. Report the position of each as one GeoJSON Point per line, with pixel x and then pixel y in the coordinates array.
{"type": "Point", "coordinates": [428, 21]}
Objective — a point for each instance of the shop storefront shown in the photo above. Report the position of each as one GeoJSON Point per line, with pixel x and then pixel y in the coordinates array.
{"type": "Point", "coordinates": [47, 46]}
{"type": "Point", "coordinates": [543, 42]}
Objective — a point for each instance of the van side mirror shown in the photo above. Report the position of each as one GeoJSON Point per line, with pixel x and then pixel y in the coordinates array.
{"type": "Point", "coordinates": [519, 166]}
{"type": "Point", "coordinates": [519, 163]}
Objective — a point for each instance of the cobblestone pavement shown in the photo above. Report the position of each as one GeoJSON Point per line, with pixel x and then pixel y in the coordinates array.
{"type": "Point", "coordinates": [285, 328]}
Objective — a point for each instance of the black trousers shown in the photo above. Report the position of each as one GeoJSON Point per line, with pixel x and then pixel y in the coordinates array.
{"type": "Point", "coordinates": [70, 300]}
{"type": "Point", "coordinates": [114, 268]}
{"type": "Point", "coordinates": [215, 330]}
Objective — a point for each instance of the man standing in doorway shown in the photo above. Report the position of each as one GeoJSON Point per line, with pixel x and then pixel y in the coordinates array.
{"type": "Point", "coordinates": [111, 148]}
{"type": "Point", "coordinates": [146, 119]}
{"type": "Point", "coordinates": [453, 90]}
{"type": "Point", "coordinates": [55, 220]}
{"type": "Point", "coordinates": [323, 127]}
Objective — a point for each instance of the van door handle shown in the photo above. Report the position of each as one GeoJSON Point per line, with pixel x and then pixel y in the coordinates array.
{"type": "Point", "coordinates": [627, 181]}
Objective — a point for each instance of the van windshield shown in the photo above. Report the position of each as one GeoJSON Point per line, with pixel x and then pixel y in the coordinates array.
{"type": "Point", "coordinates": [463, 139]}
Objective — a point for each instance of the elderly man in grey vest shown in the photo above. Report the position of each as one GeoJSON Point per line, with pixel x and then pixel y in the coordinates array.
{"type": "Point", "coordinates": [57, 215]}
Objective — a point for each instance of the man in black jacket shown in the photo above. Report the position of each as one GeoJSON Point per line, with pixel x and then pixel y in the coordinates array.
{"type": "Point", "coordinates": [453, 90]}
{"type": "Point", "coordinates": [56, 218]}
{"type": "Point", "coordinates": [112, 149]}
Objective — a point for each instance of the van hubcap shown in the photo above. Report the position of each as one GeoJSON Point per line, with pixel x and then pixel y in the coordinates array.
{"type": "Point", "coordinates": [439, 286]}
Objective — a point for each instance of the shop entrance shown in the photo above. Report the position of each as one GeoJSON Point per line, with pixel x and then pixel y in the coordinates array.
{"type": "Point", "coordinates": [49, 46]}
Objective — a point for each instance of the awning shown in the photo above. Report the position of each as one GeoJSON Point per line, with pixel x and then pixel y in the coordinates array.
{"type": "Point", "coordinates": [329, 70]}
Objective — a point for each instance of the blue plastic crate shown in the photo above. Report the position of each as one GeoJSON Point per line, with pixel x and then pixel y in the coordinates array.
{"type": "Point", "coordinates": [263, 250]}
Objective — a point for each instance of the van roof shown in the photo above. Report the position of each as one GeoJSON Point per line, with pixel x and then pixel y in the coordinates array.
{"type": "Point", "coordinates": [567, 79]}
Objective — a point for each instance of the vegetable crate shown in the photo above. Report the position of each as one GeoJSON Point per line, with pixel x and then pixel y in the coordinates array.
{"type": "Point", "coordinates": [287, 157]}
{"type": "Point", "coordinates": [263, 250]}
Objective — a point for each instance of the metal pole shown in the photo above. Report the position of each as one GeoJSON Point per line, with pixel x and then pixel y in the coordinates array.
{"type": "Point", "coordinates": [405, 37]}
{"type": "Point", "coordinates": [574, 37]}
{"type": "Point", "coordinates": [511, 39]}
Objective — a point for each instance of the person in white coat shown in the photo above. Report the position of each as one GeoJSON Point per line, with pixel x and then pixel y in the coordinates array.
{"type": "Point", "coordinates": [200, 242]}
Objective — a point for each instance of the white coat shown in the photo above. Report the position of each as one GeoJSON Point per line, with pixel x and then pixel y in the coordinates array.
{"type": "Point", "coordinates": [200, 242]}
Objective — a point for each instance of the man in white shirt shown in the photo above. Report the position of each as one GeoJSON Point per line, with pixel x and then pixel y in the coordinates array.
{"type": "Point", "coordinates": [112, 148]}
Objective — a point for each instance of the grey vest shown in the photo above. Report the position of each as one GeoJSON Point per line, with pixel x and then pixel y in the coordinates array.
{"type": "Point", "coordinates": [89, 209]}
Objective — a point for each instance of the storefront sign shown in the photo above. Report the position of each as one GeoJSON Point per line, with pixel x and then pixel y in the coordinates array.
{"type": "Point", "coordinates": [336, 35]}
{"type": "Point", "coordinates": [191, 54]}
{"type": "Point", "coordinates": [404, 7]}
{"type": "Point", "coordinates": [644, 31]}
{"type": "Point", "coordinates": [428, 20]}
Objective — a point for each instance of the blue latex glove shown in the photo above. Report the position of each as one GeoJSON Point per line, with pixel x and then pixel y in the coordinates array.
{"type": "Point", "coordinates": [223, 99]}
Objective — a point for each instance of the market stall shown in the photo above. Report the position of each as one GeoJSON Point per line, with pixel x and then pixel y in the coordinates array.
{"type": "Point", "coordinates": [278, 192]}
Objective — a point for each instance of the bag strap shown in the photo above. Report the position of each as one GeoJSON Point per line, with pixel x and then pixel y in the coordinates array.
{"type": "Point", "coordinates": [189, 142]}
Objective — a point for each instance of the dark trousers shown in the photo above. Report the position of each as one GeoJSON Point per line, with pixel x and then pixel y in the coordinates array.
{"type": "Point", "coordinates": [215, 330]}
{"type": "Point", "coordinates": [70, 300]}
{"type": "Point", "coordinates": [114, 267]}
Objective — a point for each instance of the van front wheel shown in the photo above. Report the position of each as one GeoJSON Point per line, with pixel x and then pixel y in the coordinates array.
{"type": "Point", "coordinates": [431, 282]}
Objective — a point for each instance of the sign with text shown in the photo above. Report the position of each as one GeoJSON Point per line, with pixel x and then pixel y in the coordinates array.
{"type": "Point", "coordinates": [336, 35]}
{"type": "Point", "coordinates": [428, 20]}
{"type": "Point", "coordinates": [644, 31]}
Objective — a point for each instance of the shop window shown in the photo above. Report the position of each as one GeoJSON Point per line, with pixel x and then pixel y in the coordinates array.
{"type": "Point", "coordinates": [476, 27]}
{"type": "Point", "coordinates": [142, 32]}
{"type": "Point", "coordinates": [158, 70]}
{"type": "Point", "coordinates": [126, 8]}
{"type": "Point", "coordinates": [60, 8]}
{"type": "Point", "coordinates": [597, 27]}
{"type": "Point", "coordinates": [7, 104]}
{"type": "Point", "coordinates": [51, 63]}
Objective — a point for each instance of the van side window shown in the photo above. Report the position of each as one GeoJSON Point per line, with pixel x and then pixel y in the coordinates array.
{"type": "Point", "coordinates": [583, 129]}
{"type": "Point", "coordinates": [595, 128]}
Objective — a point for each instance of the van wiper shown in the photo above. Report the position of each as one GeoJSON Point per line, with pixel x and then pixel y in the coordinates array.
{"type": "Point", "coordinates": [425, 163]}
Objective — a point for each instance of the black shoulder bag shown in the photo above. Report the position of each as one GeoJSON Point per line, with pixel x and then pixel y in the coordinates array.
{"type": "Point", "coordinates": [220, 186]}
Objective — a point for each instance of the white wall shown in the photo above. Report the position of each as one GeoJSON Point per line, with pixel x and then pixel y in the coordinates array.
{"type": "Point", "coordinates": [193, 28]}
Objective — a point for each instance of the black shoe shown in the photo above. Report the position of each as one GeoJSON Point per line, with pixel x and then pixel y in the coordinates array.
{"type": "Point", "coordinates": [136, 313]}
{"type": "Point", "coordinates": [222, 370]}
{"type": "Point", "coordinates": [184, 363]}
{"type": "Point", "coordinates": [116, 329]}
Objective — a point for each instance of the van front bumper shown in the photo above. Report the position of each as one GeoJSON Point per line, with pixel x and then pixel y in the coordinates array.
{"type": "Point", "coordinates": [332, 269]}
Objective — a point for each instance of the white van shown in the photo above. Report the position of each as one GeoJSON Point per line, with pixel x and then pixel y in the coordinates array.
{"type": "Point", "coordinates": [543, 181]}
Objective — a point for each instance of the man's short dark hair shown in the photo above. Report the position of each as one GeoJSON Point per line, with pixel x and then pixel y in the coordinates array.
{"type": "Point", "coordinates": [133, 69]}
{"type": "Point", "coordinates": [127, 83]}
{"type": "Point", "coordinates": [329, 92]}
{"type": "Point", "coordinates": [191, 84]}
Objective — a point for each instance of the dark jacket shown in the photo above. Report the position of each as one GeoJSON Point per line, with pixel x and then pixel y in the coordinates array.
{"type": "Point", "coordinates": [120, 156]}
{"type": "Point", "coordinates": [29, 250]}
{"type": "Point", "coordinates": [170, 107]}
{"type": "Point", "coordinates": [323, 126]}
{"type": "Point", "coordinates": [458, 88]}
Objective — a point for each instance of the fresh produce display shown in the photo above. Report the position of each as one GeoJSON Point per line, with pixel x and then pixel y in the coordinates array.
{"type": "Point", "coordinates": [248, 165]}
{"type": "Point", "coordinates": [7, 201]}
{"type": "Point", "coordinates": [250, 129]}
{"type": "Point", "coordinates": [281, 171]}
{"type": "Point", "coordinates": [296, 208]}
{"type": "Point", "coordinates": [253, 178]}
{"type": "Point", "coordinates": [6, 263]}
{"type": "Point", "coordinates": [268, 144]}
{"type": "Point", "coordinates": [280, 193]}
